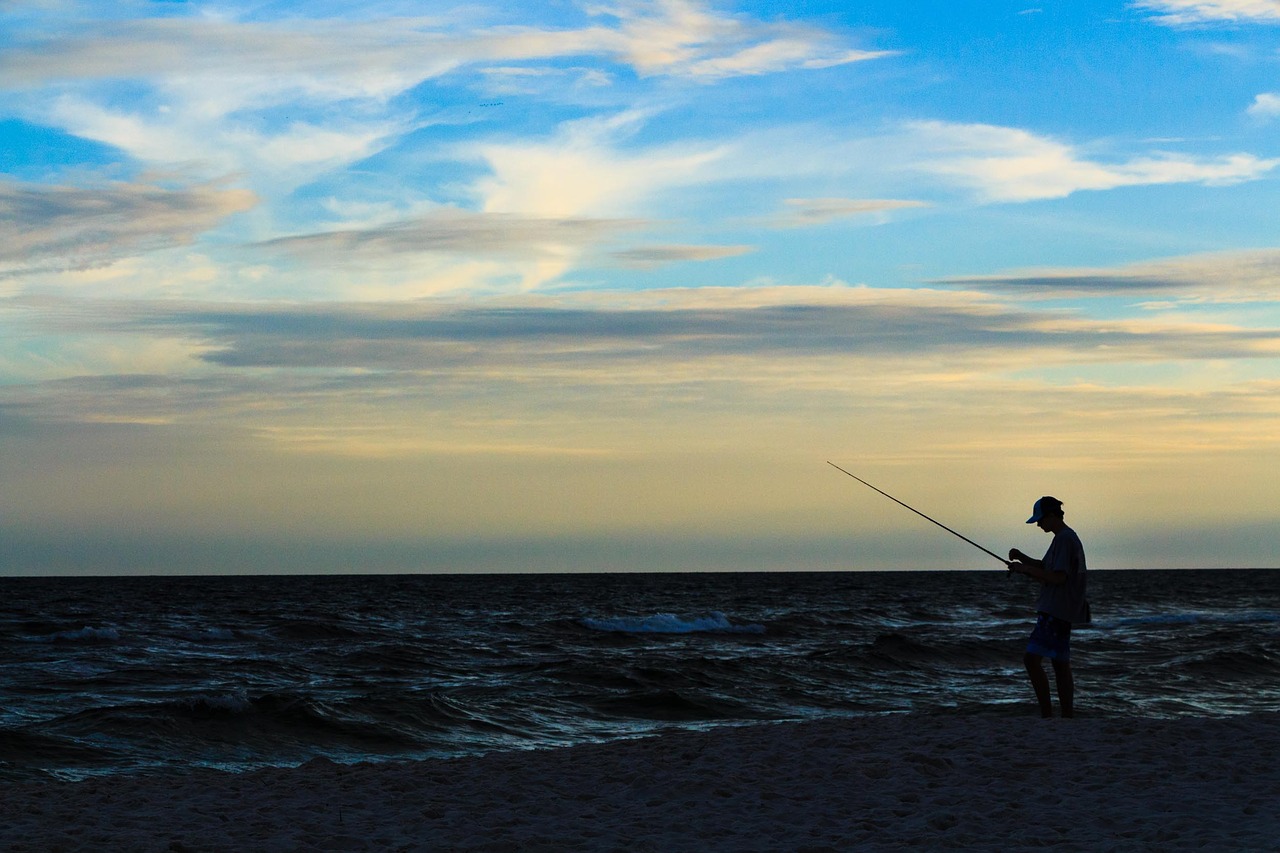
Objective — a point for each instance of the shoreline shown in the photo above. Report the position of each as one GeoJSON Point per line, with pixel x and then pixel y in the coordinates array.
{"type": "Point", "coordinates": [869, 783]}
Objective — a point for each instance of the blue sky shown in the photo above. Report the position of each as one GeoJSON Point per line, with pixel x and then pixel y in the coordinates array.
{"type": "Point", "coordinates": [597, 286]}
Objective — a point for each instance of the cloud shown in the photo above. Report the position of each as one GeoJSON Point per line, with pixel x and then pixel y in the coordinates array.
{"type": "Point", "coordinates": [1220, 277]}
{"type": "Point", "coordinates": [688, 39]}
{"type": "Point", "coordinates": [1003, 164]}
{"type": "Point", "coordinates": [650, 331]}
{"type": "Point", "coordinates": [451, 250]}
{"type": "Point", "coordinates": [75, 228]}
{"type": "Point", "coordinates": [609, 375]}
{"type": "Point", "coordinates": [1181, 12]}
{"type": "Point", "coordinates": [328, 58]}
{"type": "Point", "coordinates": [195, 135]}
{"type": "Point", "coordinates": [452, 231]}
{"type": "Point", "coordinates": [545, 83]}
{"type": "Point", "coordinates": [293, 98]}
{"type": "Point", "coordinates": [806, 212]}
{"type": "Point", "coordinates": [1265, 106]}
{"type": "Point", "coordinates": [480, 236]}
{"type": "Point", "coordinates": [583, 170]}
{"type": "Point", "coordinates": [337, 59]}
{"type": "Point", "coordinates": [653, 256]}
{"type": "Point", "coordinates": [527, 339]}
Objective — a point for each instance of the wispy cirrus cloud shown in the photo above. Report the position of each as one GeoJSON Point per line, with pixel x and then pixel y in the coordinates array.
{"type": "Point", "coordinates": [304, 95]}
{"type": "Point", "coordinates": [491, 236]}
{"type": "Point", "coordinates": [654, 256]}
{"type": "Point", "coordinates": [690, 39]}
{"type": "Point", "coordinates": [652, 330]}
{"type": "Point", "coordinates": [1219, 277]}
{"type": "Point", "coordinates": [555, 338]}
{"type": "Point", "coordinates": [339, 58]}
{"type": "Point", "coordinates": [74, 228]}
{"type": "Point", "coordinates": [328, 59]}
{"type": "Point", "coordinates": [1004, 164]}
{"type": "Point", "coordinates": [452, 231]}
{"type": "Point", "coordinates": [1184, 12]}
{"type": "Point", "coordinates": [451, 250]}
{"type": "Point", "coordinates": [187, 137]}
{"type": "Point", "coordinates": [807, 212]}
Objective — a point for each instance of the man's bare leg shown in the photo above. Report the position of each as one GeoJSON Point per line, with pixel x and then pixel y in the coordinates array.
{"type": "Point", "coordinates": [1039, 682]}
{"type": "Point", "coordinates": [1066, 687]}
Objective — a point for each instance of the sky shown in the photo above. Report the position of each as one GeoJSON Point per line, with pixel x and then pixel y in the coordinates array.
{"type": "Point", "coordinates": [603, 286]}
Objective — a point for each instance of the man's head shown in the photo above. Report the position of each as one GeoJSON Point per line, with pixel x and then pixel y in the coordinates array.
{"type": "Point", "coordinates": [1046, 514]}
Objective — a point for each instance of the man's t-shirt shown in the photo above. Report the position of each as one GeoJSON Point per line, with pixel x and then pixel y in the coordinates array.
{"type": "Point", "coordinates": [1065, 601]}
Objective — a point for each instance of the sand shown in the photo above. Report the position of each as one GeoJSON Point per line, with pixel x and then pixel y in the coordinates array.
{"type": "Point", "coordinates": [886, 783]}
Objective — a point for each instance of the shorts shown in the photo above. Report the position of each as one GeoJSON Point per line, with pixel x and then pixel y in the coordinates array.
{"type": "Point", "coordinates": [1050, 638]}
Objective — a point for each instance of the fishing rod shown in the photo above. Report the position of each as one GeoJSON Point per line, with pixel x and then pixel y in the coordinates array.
{"type": "Point", "coordinates": [921, 514]}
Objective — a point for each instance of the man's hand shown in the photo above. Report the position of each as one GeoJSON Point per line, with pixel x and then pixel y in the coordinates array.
{"type": "Point", "coordinates": [1017, 556]}
{"type": "Point", "coordinates": [1016, 566]}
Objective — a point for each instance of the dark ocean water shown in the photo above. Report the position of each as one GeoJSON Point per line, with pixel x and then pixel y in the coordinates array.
{"type": "Point", "coordinates": [106, 675]}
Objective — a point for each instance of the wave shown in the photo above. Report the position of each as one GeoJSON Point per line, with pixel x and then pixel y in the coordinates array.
{"type": "Point", "coordinates": [315, 629]}
{"type": "Point", "coordinates": [87, 634]}
{"type": "Point", "coordinates": [1248, 663]}
{"type": "Point", "coordinates": [104, 676]}
{"type": "Point", "coordinates": [669, 705]}
{"type": "Point", "coordinates": [1248, 617]}
{"type": "Point", "coordinates": [900, 650]}
{"type": "Point", "coordinates": [214, 725]}
{"type": "Point", "coordinates": [213, 704]}
{"type": "Point", "coordinates": [211, 635]}
{"type": "Point", "coordinates": [19, 746]}
{"type": "Point", "coordinates": [668, 623]}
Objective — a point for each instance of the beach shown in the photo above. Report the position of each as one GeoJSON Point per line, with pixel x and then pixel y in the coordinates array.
{"type": "Point", "coordinates": [978, 781]}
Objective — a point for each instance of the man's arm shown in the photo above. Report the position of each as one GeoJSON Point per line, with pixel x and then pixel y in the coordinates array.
{"type": "Point", "coordinates": [1035, 569]}
{"type": "Point", "coordinates": [1018, 557]}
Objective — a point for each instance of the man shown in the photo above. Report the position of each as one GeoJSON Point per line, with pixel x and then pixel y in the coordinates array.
{"type": "Point", "coordinates": [1062, 603]}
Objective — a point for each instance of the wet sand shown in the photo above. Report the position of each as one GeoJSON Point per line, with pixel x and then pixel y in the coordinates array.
{"type": "Point", "coordinates": [884, 783]}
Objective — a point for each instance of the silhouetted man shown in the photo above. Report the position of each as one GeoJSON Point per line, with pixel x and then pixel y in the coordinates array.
{"type": "Point", "coordinates": [1062, 603]}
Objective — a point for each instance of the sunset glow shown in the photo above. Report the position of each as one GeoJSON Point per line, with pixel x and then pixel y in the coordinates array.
{"type": "Point", "coordinates": [602, 286]}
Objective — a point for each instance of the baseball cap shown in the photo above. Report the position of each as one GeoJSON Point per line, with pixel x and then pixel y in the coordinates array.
{"type": "Point", "coordinates": [1045, 506]}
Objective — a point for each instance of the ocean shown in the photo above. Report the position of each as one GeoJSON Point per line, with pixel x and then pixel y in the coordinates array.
{"type": "Point", "coordinates": [130, 675]}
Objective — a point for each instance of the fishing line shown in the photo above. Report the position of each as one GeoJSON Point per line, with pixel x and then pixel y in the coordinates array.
{"type": "Point", "coordinates": [921, 514]}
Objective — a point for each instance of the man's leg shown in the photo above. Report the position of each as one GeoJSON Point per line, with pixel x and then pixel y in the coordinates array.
{"type": "Point", "coordinates": [1066, 687]}
{"type": "Point", "coordinates": [1039, 682]}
